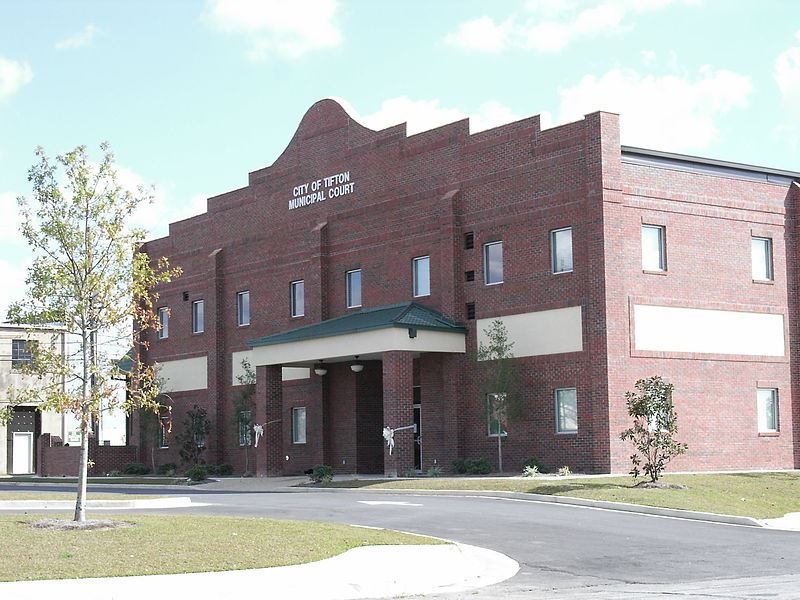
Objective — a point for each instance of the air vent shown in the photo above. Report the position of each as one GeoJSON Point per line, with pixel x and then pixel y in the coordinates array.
{"type": "Point", "coordinates": [469, 275]}
{"type": "Point", "coordinates": [469, 240]}
{"type": "Point", "coordinates": [470, 311]}
{"type": "Point", "coordinates": [185, 296]}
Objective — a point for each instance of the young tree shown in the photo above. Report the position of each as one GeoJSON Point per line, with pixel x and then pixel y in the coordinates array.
{"type": "Point", "coordinates": [500, 382]}
{"type": "Point", "coordinates": [192, 439]}
{"type": "Point", "coordinates": [655, 425]}
{"type": "Point", "coordinates": [243, 406]}
{"type": "Point", "coordinates": [89, 277]}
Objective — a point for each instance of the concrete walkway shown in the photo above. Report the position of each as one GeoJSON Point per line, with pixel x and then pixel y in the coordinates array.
{"type": "Point", "coordinates": [368, 572]}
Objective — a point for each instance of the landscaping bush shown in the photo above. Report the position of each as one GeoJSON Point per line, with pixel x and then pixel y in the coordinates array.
{"type": "Point", "coordinates": [136, 469]}
{"type": "Point", "coordinates": [564, 471]}
{"type": "Point", "coordinates": [472, 466]}
{"type": "Point", "coordinates": [167, 469]}
{"type": "Point", "coordinates": [435, 471]}
{"type": "Point", "coordinates": [321, 474]}
{"type": "Point", "coordinates": [535, 462]}
{"type": "Point", "coordinates": [530, 471]}
{"type": "Point", "coordinates": [197, 473]}
{"type": "Point", "coordinates": [224, 470]}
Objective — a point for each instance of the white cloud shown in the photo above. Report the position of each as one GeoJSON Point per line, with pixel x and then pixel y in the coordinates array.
{"type": "Point", "coordinates": [551, 25]}
{"type": "Point", "coordinates": [79, 40]}
{"type": "Point", "coordinates": [276, 27]}
{"type": "Point", "coordinates": [13, 75]}
{"type": "Point", "coordinates": [666, 112]}
{"type": "Point", "coordinates": [787, 76]}
{"type": "Point", "coordinates": [422, 115]}
{"type": "Point", "coordinates": [9, 219]}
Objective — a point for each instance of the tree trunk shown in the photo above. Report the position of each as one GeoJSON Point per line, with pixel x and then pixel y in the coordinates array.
{"type": "Point", "coordinates": [80, 504]}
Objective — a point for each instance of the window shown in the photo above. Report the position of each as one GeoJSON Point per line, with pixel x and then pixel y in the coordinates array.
{"type": "Point", "coordinates": [566, 410]}
{"type": "Point", "coordinates": [354, 288]}
{"type": "Point", "coordinates": [762, 259]}
{"type": "Point", "coordinates": [495, 414]}
{"type": "Point", "coordinates": [243, 308]}
{"type": "Point", "coordinates": [198, 316]}
{"type": "Point", "coordinates": [493, 263]}
{"type": "Point", "coordinates": [245, 428]}
{"type": "Point", "coordinates": [470, 309]}
{"type": "Point", "coordinates": [767, 399]}
{"type": "Point", "coordinates": [469, 275]}
{"type": "Point", "coordinates": [654, 256]}
{"type": "Point", "coordinates": [469, 240]}
{"type": "Point", "coordinates": [20, 354]}
{"type": "Point", "coordinates": [164, 429]}
{"type": "Point", "coordinates": [299, 425]}
{"type": "Point", "coordinates": [561, 250]}
{"type": "Point", "coordinates": [163, 321]}
{"type": "Point", "coordinates": [422, 276]}
{"type": "Point", "coordinates": [298, 298]}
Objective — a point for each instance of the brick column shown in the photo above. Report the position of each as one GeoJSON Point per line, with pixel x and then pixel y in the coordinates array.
{"type": "Point", "coordinates": [398, 410]}
{"type": "Point", "coordinates": [268, 405]}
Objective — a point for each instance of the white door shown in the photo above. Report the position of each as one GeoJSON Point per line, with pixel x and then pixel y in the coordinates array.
{"type": "Point", "coordinates": [22, 449]}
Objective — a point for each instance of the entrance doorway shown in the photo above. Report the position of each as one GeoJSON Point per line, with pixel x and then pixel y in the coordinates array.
{"type": "Point", "coordinates": [22, 453]}
{"type": "Point", "coordinates": [418, 429]}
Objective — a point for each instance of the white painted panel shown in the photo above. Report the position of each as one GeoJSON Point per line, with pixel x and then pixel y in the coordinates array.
{"type": "Point", "coordinates": [541, 332]}
{"type": "Point", "coordinates": [672, 329]}
{"type": "Point", "coordinates": [289, 373]}
{"type": "Point", "coordinates": [22, 453]}
{"type": "Point", "coordinates": [184, 375]}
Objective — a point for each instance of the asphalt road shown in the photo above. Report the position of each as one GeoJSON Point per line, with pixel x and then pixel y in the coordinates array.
{"type": "Point", "coordinates": [564, 551]}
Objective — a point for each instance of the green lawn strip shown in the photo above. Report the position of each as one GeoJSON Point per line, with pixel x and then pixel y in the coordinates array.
{"type": "Point", "coordinates": [107, 480]}
{"type": "Point", "coordinates": [178, 544]}
{"type": "Point", "coordinates": [758, 495]}
{"type": "Point", "coordinates": [29, 495]}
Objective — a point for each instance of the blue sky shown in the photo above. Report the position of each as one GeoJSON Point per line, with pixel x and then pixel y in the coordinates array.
{"type": "Point", "coordinates": [193, 95]}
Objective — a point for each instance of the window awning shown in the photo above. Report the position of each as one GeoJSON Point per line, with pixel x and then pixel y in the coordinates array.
{"type": "Point", "coordinates": [406, 327]}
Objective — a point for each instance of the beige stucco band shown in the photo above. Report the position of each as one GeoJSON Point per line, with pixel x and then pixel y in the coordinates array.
{"type": "Point", "coordinates": [360, 343]}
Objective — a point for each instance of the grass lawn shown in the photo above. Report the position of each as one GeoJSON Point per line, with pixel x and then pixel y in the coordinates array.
{"type": "Point", "coordinates": [177, 544]}
{"type": "Point", "coordinates": [27, 495]}
{"type": "Point", "coordinates": [759, 495]}
{"type": "Point", "coordinates": [147, 480]}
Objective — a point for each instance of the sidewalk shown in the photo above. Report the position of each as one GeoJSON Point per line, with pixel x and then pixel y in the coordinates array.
{"type": "Point", "coordinates": [368, 572]}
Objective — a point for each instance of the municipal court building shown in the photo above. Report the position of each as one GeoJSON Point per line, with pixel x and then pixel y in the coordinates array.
{"type": "Point", "coordinates": [358, 272]}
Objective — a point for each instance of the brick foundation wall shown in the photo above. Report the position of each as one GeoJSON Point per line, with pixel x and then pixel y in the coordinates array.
{"type": "Point", "coordinates": [56, 460]}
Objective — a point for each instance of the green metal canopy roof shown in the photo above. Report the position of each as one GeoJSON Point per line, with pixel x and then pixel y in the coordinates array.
{"type": "Point", "coordinates": [409, 315]}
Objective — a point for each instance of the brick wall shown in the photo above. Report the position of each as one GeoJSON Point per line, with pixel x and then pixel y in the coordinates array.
{"type": "Point", "coordinates": [56, 459]}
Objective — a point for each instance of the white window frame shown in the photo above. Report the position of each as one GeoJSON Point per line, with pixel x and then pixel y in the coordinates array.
{"type": "Point", "coordinates": [662, 248]}
{"type": "Point", "coordinates": [769, 258]}
{"type": "Point", "coordinates": [297, 311]}
{"type": "Point", "coordinates": [296, 437]}
{"type": "Point", "coordinates": [415, 276]}
{"type": "Point", "coordinates": [761, 414]}
{"type": "Point", "coordinates": [198, 324]}
{"type": "Point", "coordinates": [348, 288]}
{"type": "Point", "coordinates": [558, 402]}
{"type": "Point", "coordinates": [486, 263]}
{"type": "Point", "coordinates": [554, 251]}
{"type": "Point", "coordinates": [163, 321]}
{"type": "Point", "coordinates": [240, 316]}
{"type": "Point", "coordinates": [489, 418]}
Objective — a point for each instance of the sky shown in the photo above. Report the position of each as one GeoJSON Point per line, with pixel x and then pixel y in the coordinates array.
{"type": "Point", "coordinates": [193, 95]}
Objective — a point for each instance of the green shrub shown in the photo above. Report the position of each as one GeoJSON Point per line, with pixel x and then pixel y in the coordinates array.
{"type": "Point", "coordinates": [224, 470]}
{"type": "Point", "coordinates": [167, 469]}
{"type": "Point", "coordinates": [321, 474]}
{"type": "Point", "coordinates": [460, 466]}
{"type": "Point", "coordinates": [435, 471]}
{"type": "Point", "coordinates": [211, 470]}
{"type": "Point", "coordinates": [472, 466]}
{"type": "Point", "coordinates": [197, 473]}
{"type": "Point", "coordinates": [136, 469]}
{"type": "Point", "coordinates": [535, 462]}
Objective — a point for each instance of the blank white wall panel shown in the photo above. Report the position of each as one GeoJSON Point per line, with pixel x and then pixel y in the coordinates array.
{"type": "Point", "coordinates": [541, 332]}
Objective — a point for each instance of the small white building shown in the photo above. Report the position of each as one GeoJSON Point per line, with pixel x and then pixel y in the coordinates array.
{"type": "Point", "coordinates": [18, 436]}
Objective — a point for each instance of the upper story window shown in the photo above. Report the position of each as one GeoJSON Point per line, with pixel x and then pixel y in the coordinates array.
{"type": "Point", "coordinates": [353, 288]}
{"type": "Point", "coordinates": [762, 259]}
{"type": "Point", "coordinates": [163, 321]}
{"type": "Point", "coordinates": [198, 316]}
{"type": "Point", "coordinates": [561, 250]}
{"type": "Point", "coordinates": [493, 263]}
{"type": "Point", "coordinates": [298, 299]}
{"type": "Point", "coordinates": [422, 276]}
{"type": "Point", "coordinates": [767, 400]}
{"type": "Point", "coordinates": [243, 308]}
{"type": "Point", "coordinates": [654, 255]}
{"type": "Point", "coordinates": [566, 410]}
{"type": "Point", "coordinates": [20, 354]}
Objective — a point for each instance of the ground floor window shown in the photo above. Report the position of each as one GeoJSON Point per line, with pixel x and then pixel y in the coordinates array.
{"type": "Point", "coordinates": [496, 414]}
{"type": "Point", "coordinates": [245, 428]}
{"type": "Point", "coordinates": [299, 425]}
{"type": "Point", "coordinates": [566, 410]}
{"type": "Point", "coordinates": [767, 400]}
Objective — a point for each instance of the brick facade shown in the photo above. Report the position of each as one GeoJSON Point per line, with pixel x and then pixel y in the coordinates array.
{"type": "Point", "coordinates": [418, 196]}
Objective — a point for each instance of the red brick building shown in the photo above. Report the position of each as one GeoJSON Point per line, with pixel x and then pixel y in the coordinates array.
{"type": "Point", "coordinates": [394, 253]}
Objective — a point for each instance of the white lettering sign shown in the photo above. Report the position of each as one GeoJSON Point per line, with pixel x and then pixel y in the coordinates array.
{"type": "Point", "coordinates": [332, 186]}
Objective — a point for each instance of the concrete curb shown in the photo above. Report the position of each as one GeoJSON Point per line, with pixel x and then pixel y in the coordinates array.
{"type": "Point", "coordinates": [569, 501]}
{"type": "Point", "coordinates": [145, 503]}
{"type": "Point", "coordinates": [366, 572]}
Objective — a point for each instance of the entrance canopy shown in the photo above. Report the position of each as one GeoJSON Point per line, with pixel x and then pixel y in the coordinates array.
{"type": "Point", "coordinates": [367, 333]}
